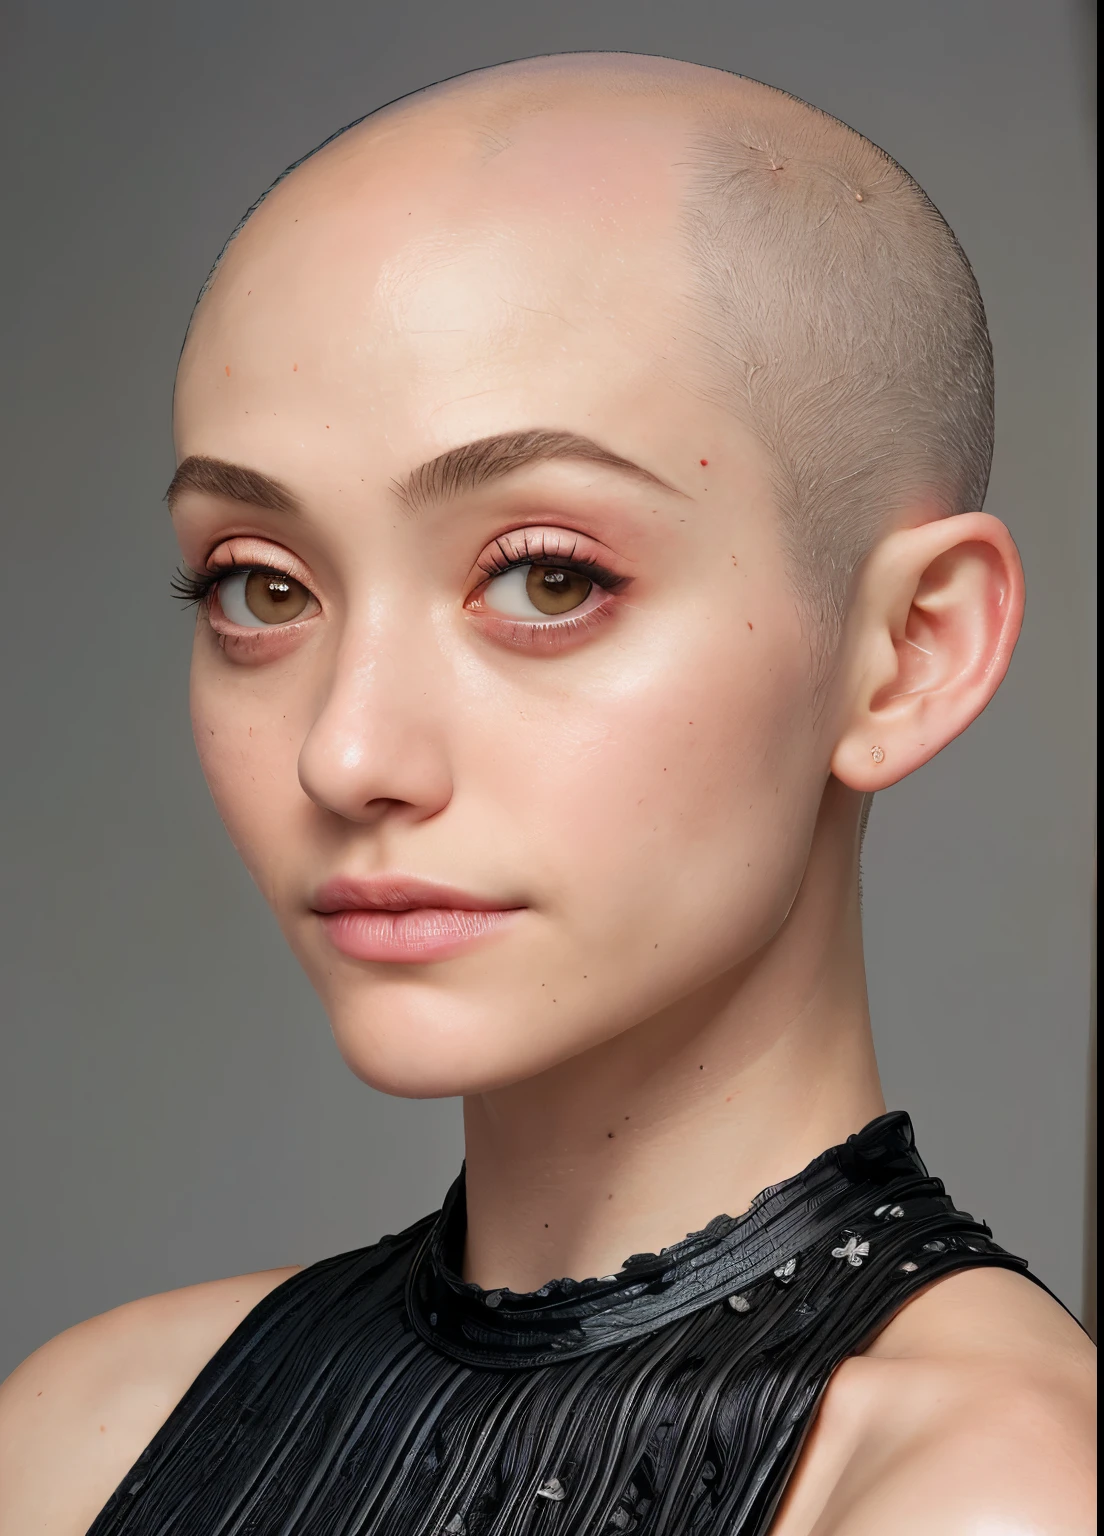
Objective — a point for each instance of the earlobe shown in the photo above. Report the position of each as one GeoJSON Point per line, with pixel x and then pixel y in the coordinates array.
{"type": "Point", "coordinates": [935, 620]}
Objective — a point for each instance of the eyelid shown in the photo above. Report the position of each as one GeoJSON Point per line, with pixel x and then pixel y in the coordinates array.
{"type": "Point", "coordinates": [566, 548]}
{"type": "Point", "coordinates": [549, 545]}
{"type": "Point", "coordinates": [245, 550]}
{"type": "Point", "coordinates": [554, 635]}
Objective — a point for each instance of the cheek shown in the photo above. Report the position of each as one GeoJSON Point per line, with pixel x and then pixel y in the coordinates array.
{"type": "Point", "coordinates": [249, 755]}
{"type": "Point", "coordinates": [690, 807]}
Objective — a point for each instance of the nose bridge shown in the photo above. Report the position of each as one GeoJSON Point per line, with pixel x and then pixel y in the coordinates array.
{"type": "Point", "coordinates": [379, 737]}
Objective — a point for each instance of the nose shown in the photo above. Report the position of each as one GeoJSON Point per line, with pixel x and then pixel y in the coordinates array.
{"type": "Point", "coordinates": [378, 744]}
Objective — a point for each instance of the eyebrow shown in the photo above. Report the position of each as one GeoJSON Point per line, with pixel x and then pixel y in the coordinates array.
{"type": "Point", "coordinates": [450, 474]}
{"type": "Point", "coordinates": [215, 477]}
{"type": "Point", "coordinates": [491, 458]}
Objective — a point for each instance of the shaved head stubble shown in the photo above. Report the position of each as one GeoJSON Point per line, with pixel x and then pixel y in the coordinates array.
{"type": "Point", "coordinates": [830, 308]}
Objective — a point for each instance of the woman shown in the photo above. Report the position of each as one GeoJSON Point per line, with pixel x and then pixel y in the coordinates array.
{"type": "Point", "coordinates": [579, 473]}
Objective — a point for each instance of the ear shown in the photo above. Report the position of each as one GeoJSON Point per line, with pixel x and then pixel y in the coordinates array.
{"type": "Point", "coordinates": [935, 618]}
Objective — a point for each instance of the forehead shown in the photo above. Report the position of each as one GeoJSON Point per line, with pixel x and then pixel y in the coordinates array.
{"type": "Point", "coordinates": [443, 270]}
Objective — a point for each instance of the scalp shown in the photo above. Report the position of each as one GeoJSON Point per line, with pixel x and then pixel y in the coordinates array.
{"type": "Point", "coordinates": [820, 297]}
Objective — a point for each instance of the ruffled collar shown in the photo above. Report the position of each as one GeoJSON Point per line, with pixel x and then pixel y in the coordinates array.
{"type": "Point", "coordinates": [506, 1330]}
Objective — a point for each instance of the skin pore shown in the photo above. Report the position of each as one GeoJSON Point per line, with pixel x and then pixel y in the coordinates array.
{"type": "Point", "coordinates": [577, 685]}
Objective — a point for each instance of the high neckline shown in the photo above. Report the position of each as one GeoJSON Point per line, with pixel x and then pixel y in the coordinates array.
{"type": "Point", "coordinates": [504, 1329]}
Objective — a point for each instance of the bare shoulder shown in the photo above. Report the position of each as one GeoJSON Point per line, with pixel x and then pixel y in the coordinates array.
{"type": "Point", "coordinates": [973, 1410]}
{"type": "Point", "coordinates": [77, 1414]}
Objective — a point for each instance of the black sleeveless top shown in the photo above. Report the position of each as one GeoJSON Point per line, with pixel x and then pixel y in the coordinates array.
{"type": "Point", "coordinates": [378, 1394]}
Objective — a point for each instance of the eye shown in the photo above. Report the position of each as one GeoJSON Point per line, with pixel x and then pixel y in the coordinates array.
{"type": "Point", "coordinates": [537, 591]}
{"type": "Point", "coordinates": [258, 599]}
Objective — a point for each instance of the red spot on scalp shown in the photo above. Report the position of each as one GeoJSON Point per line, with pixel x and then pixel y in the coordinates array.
{"type": "Point", "coordinates": [228, 370]}
{"type": "Point", "coordinates": [704, 462]}
{"type": "Point", "coordinates": [295, 367]}
{"type": "Point", "coordinates": [750, 624]}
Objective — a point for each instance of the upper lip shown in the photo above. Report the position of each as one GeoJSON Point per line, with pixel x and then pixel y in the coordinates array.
{"type": "Point", "coordinates": [398, 893]}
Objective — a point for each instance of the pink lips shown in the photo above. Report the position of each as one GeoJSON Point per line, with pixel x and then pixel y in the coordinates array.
{"type": "Point", "coordinates": [404, 920]}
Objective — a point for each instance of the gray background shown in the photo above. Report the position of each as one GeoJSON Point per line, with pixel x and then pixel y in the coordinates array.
{"type": "Point", "coordinates": [173, 1106]}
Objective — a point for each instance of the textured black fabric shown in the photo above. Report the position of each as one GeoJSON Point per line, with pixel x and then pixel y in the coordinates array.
{"type": "Point", "coordinates": [376, 1392]}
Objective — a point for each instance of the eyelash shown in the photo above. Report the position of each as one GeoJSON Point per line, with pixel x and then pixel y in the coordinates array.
{"type": "Point", "coordinates": [505, 559]}
{"type": "Point", "coordinates": [195, 587]}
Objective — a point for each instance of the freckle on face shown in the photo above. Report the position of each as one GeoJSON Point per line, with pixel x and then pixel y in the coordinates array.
{"type": "Point", "coordinates": [667, 598]}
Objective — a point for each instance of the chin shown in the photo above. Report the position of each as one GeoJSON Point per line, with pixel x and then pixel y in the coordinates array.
{"type": "Point", "coordinates": [412, 1035]}
{"type": "Point", "coordinates": [463, 1026]}
{"type": "Point", "coordinates": [431, 1041]}
{"type": "Point", "coordinates": [410, 1056]}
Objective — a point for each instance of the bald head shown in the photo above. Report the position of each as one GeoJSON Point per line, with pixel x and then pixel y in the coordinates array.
{"type": "Point", "coordinates": [802, 280]}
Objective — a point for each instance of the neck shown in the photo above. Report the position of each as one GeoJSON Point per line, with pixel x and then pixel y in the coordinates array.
{"type": "Point", "coordinates": [689, 1114]}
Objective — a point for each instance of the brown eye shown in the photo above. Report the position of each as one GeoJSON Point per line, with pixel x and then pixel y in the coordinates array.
{"type": "Point", "coordinates": [256, 599]}
{"type": "Point", "coordinates": [552, 590]}
{"type": "Point", "coordinates": [274, 599]}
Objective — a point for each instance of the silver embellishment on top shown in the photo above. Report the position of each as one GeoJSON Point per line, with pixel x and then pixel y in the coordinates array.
{"type": "Point", "coordinates": [909, 1267]}
{"type": "Point", "coordinates": [455, 1527]}
{"type": "Point", "coordinates": [493, 1299]}
{"type": "Point", "coordinates": [853, 1251]}
{"type": "Point", "coordinates": [553, 1489]}
{"type": "Point", "coordinates": [739, 1303]}
{"type": "Point", "coordinates": [937, 1245]}
{"type": "Point", "coordinates": [888, 1211]}
{"type": "Point", "coordinates": [786, 1272]}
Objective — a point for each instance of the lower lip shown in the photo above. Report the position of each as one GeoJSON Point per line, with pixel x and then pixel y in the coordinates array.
{"type": "Point", "coordinates": [418, 935]}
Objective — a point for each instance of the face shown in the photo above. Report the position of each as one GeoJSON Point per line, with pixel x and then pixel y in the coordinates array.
{"type": "Point", "coordinates": [518, 763]}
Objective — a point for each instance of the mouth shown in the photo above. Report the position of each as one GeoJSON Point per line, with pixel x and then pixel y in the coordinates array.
{"type": "Point", "coordinates": [400, 920]}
